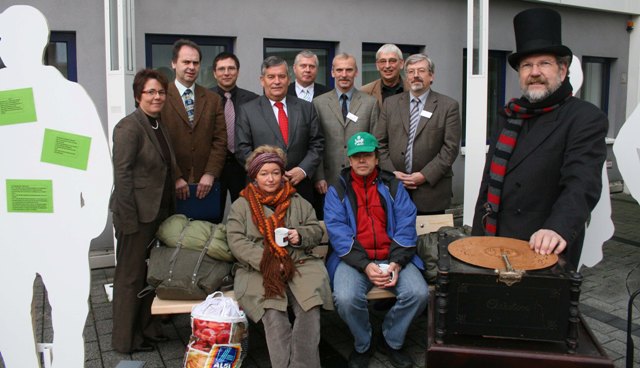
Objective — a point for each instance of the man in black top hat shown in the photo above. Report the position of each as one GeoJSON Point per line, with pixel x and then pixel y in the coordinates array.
{"type": "Point", "coordinates": [543, 170]}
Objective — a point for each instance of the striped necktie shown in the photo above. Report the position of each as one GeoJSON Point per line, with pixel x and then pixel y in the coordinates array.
{"type": "Point", "coordinates": [414, 119]}
{"type": "Point", "coordinates": [306, 95]}
{"type": "Point", "coordinates": [187, 97]}
{"type": "Point", "coordinates": [230, 119]}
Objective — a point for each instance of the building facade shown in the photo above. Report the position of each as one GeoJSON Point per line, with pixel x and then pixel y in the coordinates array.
{"type": "Point", "coordinates": [254, 29]}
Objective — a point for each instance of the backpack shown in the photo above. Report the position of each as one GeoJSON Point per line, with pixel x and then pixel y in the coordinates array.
{"type": "Point", "coordinates": [184, 272]}
{"type": "Point", "coordinates": [427, 248]}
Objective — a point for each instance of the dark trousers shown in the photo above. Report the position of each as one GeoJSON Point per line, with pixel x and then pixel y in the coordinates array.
{"type": "Point", "coordinates": [306, 190]}
{"type": "Point", "coordinates": [233, 179]}
{"type": "Point", "coordinates": [132, 319]}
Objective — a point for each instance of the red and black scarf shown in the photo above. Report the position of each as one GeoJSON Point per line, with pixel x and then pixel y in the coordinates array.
{"type": "Point", "coordinates": [517, 111]}
{"type": "Point", "coordinates": [276, 265]}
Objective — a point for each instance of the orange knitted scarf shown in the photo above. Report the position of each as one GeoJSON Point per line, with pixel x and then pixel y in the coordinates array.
{"type": "Point", "coordinates": [276, 265]}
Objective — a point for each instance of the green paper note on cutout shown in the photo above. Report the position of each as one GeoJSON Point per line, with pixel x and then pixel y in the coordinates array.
{"type": "Point", "coordinates": [34, 196]}
{"type": "Point", "coordinates": [65, 149]}
{"type": "Point", "coordinates": [17, 106]}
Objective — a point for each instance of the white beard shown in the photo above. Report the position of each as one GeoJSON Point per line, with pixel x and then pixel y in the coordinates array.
{"type": "Point", "coordinates": [538, 95]}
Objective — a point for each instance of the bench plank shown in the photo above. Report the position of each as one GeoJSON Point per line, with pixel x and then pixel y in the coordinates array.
{"type": "Point", "coordinates": [163, 306]}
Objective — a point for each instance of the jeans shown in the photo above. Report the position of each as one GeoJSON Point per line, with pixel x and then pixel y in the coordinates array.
{"type": "Point", "coordinates": [350, 296]}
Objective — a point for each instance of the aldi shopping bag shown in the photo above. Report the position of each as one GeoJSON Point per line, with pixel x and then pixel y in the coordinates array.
{"type": "Point", "coordinates": [219, 334]}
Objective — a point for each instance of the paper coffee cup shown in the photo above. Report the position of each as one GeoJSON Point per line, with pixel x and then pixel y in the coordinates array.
{"type": "Point", "coordinates": [282, 236]}
{"type": "Point", "coordinates": [385, 268]}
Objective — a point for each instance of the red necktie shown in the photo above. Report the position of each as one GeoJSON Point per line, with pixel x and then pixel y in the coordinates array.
{"type": "Point", "coordinates": [283, 121]}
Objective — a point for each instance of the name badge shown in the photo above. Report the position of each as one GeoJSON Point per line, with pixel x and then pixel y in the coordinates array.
{"type": "Point", "coordinates": [352, 117]}
{"type": "Point", "coordinates": [426, 114]}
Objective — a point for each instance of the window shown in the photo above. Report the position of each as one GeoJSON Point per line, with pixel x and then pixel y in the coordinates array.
{"type": "Point", "coordinates": [368, 71]}
{"type": "Point", "coordinates": [595, 86]}
{"type": "Point", "coordinates": [61, 53]}
{"type": "Point", "coordinates": [158, 50]}
{"type": "Point", "coordinates": [495, 89]}
{"type": "Point", "coordinates": [288, 49]}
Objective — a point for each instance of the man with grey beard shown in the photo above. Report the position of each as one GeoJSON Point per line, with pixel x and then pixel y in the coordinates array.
{"type": "Point", "coordinates": [543, 170]}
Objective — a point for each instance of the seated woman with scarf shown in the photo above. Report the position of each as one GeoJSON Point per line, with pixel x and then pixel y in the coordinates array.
{"type": "Point", "coordinates": [271, 278]}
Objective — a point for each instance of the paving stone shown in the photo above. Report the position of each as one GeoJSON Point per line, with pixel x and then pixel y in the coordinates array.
{"type": "Point", "coordinates": [104, 327]}
{"type": "Point", "coordinates": [89, 334]}
{"type": "Point", "coordinates": [95, 363]}
{"type": "Point", "coordinates": [91, 351]}
{"type": "Point", "coordinates": [102, 312]}
{"type": "Point", "coordinates": [110, 359]}
{"type": "Point", "coordinates": [105, 342]}
{"type": "Point", "coordinates": [176, 363]}
{"type": "Point", "coordinates": [598, 326]}
{"type": "Point", "coordinates": [598, 304]}
{"type": "Point", "coordinates": [617, 346]}
{"type": "Point", "coordinates": [601, 337]}
{"type": "Point", "coordinates": [171, 350]}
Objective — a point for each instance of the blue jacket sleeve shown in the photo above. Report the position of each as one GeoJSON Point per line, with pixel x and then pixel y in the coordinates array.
{"type": "Point", "coordinates": [403, 231]}
{"type": "Point", "coordinates": [341, 232]}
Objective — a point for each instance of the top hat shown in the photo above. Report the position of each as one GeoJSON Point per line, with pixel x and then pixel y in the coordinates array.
{"type": "Point", "coordinates": [538, 31]}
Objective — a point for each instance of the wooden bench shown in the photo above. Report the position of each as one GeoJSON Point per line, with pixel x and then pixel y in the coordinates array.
{"type": "Point", "coordinates": [424, 225]}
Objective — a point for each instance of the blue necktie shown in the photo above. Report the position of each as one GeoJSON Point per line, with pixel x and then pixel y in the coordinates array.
{"type": "Point", "coordinates": [345, 111]}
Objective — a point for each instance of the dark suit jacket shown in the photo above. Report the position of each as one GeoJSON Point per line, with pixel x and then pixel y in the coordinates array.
{"type": "Point", "coordinates": [201, 149]}
{"type": "Point", "coordinates": [257, 125]}
{"type": "Point", "coordinates": [318, 89]}
{"type": "Point", "coordinates": [239, 97]}
{"type": "Point", "coordinates": [554, 177]}
{"type": "Point", "coordinates": [435, 147]}
{"type": "Point", "coordinates": [140, 171]}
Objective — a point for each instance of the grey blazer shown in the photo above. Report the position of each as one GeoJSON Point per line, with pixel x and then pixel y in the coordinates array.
{"type": "Point", "coordinates": [435, 148]}
{"type": "Point", "coordinates": [256, 125]}
{"type": "Point", "coordinates": [337, 131]}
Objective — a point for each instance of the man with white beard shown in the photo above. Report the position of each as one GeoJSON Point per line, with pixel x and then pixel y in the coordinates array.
{"type": "Point", "coordinates": [543, 170]}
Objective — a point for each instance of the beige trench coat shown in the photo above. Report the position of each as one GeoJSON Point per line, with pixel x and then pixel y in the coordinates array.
{"type": "Point", "coordinates": [310, 285]}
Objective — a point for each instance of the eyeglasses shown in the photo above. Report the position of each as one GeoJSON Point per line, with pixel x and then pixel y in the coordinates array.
{"type": "Point", "coordinates": [543, 65]}
{"type": "Point", "coordinates": [391, 61]}
{"type": "Point", "coordinates": [417, 71]}
{"type": "Point", "coordinates": [153, 92]}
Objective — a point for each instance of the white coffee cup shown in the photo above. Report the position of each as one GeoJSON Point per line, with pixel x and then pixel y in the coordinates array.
{"type": "Point", "coordinates": [385, 268]}
{"type": "Point", "coordinates": [282, 236]}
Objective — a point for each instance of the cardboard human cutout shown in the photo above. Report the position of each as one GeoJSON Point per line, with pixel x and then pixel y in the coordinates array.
{"type": "Point", "coordinates": [627, 151]}
{"type": "Point", "coordinates": [55, 182]}
{"type": "Point", "coordinates": [600, 226]}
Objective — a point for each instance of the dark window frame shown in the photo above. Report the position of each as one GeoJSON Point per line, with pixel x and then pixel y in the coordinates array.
{"type": "Point", "coordinates": [605, 80]}
{"type": "Point", "coordinates": [151, 39]}
{"type": "Point", "coordinates": [69, 38]}
{"type": "Point", "coordinates": [497, 61]}
{"type": "Point", "coordinates": [329, 46]}
{"type": "Point", "coordinates": [374, 46]}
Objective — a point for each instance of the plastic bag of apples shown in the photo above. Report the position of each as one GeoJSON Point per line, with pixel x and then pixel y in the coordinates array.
{"type": "Point", "coordinates": [219, 334]}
